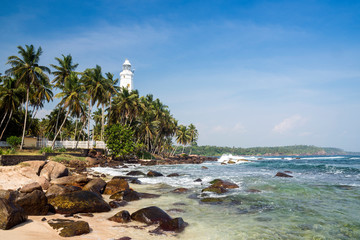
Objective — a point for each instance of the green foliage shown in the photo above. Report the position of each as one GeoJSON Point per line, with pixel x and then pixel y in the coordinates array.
{"type": "Point", "coordinates": [1, 151]}
{"type": "Point", "coordinates": [46, 150]}
{"type": "Point", "coordinates": [120, 140]}
{"type": "Point", "coordinates": [13, 141]}
{"type": "Point", "coordinates": [61, 150]}
{"type": "Point", "coordinates": [65, 158]}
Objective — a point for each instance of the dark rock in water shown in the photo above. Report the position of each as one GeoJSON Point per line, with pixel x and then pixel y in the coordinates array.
{"type": "Point", "coordinates": [263, 219]}
{"type": "Point", "coordinates": [86, 214]}
{"type": "Point", "coordinates": [131, 195]}
{"type": "Point", "coordinates": [173, 175]}
{"type": "Point", "coordinates": [176, 225]}
{"type": "Point", "coordinates": [175, 210]}
{"type": "Point", "coordinates": [121, 217]}
{"type": "Point", "coordinates": [69, 228]}
{"type": "Point", "coordinates": [116, 204]}
{"type": "Point", "coordinates": [55, 190]}
{"type": "Point", "coordinates": [180, 190]}
{"type": "Point", "coordinates": [135, 173]}
{"type": "Point", "coordinates": [212, 200]}
{"type": "Point", "coordinates": [281, 174]}
{"type": "Point", "coordinates": [203, 167]}
{"type": "Point", "coordinates": [28, 188]}
{"type": "Point", "coordinates": [193, 196]}
{"type": "Point", "coordinates": [217, 190]}
{"type": "Point", "coordinates": [116, 185]}
{"type": "Point", "coordinates": [10, 214]}
{"type": "Point", "coordinates": [179, 204]}
{"type": "Point", "coordinates": [150, 215]}
{"type": "Point", "coordinates": [103, 175]}
{"type": "Point", "coordinates": [79, 202]}
{"type": "Point", "coordinates": [252, 190]}
{"type": "Point", "coordinates": [96, 185]}
{"type": "Point", "coordinates": [135, 181]}
{"type": "Point", "coordinates": [154, 174]}
{"type": "Point", "coordinates": [149, 195]}
{"type": "Point", "coordinates": [198, 180]}
{"type": "Point", "coordinates": [224, 184]}
{"type": "Point", "coordinates": [33, 203]}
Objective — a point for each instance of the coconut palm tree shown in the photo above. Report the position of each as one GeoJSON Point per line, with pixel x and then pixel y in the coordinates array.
{"type": "Point", "coordinates": [193, 133]}
{"type": "Point", "coordinates": [125, 106]}
{"type": "Point", "coordinates": [63, 70]}
{"type": "Point", "coordinates": [182, 136]}
{"type": "Point", "coordinates": [72, 97]}
{"type": "Point", "coordinates": [10, 99]}
{"type": "Point", "coordinates": [29, 73]}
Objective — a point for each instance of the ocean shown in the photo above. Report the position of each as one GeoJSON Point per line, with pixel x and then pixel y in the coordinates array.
{"type": "Point", "coordinates": [321, 201]}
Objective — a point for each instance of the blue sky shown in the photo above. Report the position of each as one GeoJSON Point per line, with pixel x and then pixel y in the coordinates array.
{"type": "Point", "coordinates": [246, 73]}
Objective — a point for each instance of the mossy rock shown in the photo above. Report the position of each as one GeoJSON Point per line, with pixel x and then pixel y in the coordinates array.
{"type": "Point", "coordinates": [212, 200]}
{"type": "Point", "coordinates": [79, 202]}
{"type": "Point", "coordinates": [217, 190]}
{"type": "Point", "coordinates": [69, 228]}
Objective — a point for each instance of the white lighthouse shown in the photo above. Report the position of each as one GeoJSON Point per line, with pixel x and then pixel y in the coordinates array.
{"type": "Point", "coordinates": [126, 76]}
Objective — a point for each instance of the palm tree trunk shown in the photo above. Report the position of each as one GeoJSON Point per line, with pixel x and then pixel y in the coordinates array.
{"type": "Point", "coordinates": [77, 142]}
{"type": "Point", "coordinates": [102, 122]}
{"type": "Point", "coordinates": [2, 121]}
{"type": "Point", "coordinates": [6, 124]}
{"type": "Point", "coordinates": [88, 144]}
{"type": "Point", "coordinates": [26, 111]}
{"type": "Point", "coordinates": [76, 123]}
{"type": "Point", "coordinates": [57, 120]}
{"type": "Point", "coordinates": [53, 143]}
{"type": "Point", "coordinates": [183, 148]}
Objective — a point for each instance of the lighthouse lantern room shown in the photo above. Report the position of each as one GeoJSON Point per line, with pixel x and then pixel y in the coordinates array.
{"type": "Point", "coordinates": [126, 76]}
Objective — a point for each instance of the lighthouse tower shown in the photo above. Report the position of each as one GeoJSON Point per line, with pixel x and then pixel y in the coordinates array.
{"type": "Point", "coordinates": [126, 76]}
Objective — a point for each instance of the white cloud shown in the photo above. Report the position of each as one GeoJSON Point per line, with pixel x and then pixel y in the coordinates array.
{"type": "Point", "coordinates": [289, 123]}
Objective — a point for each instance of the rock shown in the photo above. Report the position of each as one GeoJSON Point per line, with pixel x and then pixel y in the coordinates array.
{"type": "Point", "coordinates": [10, 215]}
{"type": "Point", "coordinates": [173, 175]}
{"type": "Point", "coordinates": [44, 183]}
{"type": "Point", "coordinates": [124, 238]}
{"type": "Point", "coordinates": [28, 188]}
{"type": "Point", "coordinates": [217, 190]}
{"type": "Point", "coordinates": [281, 174]}
{"type": "Point", "coordinates": [79, 202]}
{"type": "Point", "coordinates": [116, 185]}
{"type": "Point", "coordinates": [212, 200]}
{"type": "Point", "coordinates": [9, 194]}
{"type": "Point", "coordinates": [96, 185]}
{"type": "Point", "coordinates": [121, 217]}
{"type": "Point", "coordinates": [180, 190]}
{"type": "Point", "coordinates": [131, 195]}
{"type": "Point", "coordinates": [90, 161]}
{"type": "Point", "coordinates": [43, 219]}
{"type": "Point", "coordinates": [75, 180]}
{"type": "Point", "coordinates": [154, 174]}
{"type": "Point", "coordinates": [252, 190]}
{"type": "Point", "coordinates": [33, 203]}
{"type": "Point", "coordinates": [135, 173]}
{"type": "Point", "coordinates": [148, 195]}
{"type": "Point", "coordinates": [56, 190]}
{"type": "Point", "coordinates": [37, 166]}
{"type": "Point", "coordinates": [198, 180]}
{"type": "Point", "coordinates": [176, 225]}
{"type": "Point", "coordinates": [203, 167]}
{"type": "Point", "coordinates": [53, 170]}
{"type": "Point", "coordinates": [288, 172]}
{"type": "Point", "coordinates": [224, 184]}
{"type": "Point", "coordinates": [175, 210]}
{"type": "Point", "coordinates": [116, 204]}
{"type": "Point", "coordinates": [150, 215]}
{"type": "Point", "coordinates": [86, 214]}
{"type": "Point", "coordinates": [135, 181]}
{"type": "Point", "coordinates": [69, 228]}
{"type": "Point", "coordinates": [117, 196]}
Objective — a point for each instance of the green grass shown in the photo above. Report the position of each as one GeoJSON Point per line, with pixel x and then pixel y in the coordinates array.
{"type": "Point", "coordinates": [65, 158]}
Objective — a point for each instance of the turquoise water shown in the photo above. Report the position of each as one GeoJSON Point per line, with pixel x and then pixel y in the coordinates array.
{"type": "Point", "coordinates": [321, 201]}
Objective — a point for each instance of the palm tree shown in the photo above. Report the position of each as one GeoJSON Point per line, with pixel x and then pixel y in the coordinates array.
{"type": "Point", "coordinates": [29, 73]}
{"type": "Point", "coordinates": [72, 98]}
{"type": "Point", "coordinates": [126, 106]}
{"type": "Point", "coordinates": [193, 133]}
{"type": "Point", "coordinates": [96, 86]}
{"type": "Point", "coordinates": [10, 99]}
{"type": "Point", "coordinates": [63, 70]}
{"type": "Point", "coordinates": [182, 136]}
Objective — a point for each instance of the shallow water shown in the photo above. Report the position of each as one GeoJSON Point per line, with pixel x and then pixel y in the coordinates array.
{"type": "Point", "coordinates": [321, 201]}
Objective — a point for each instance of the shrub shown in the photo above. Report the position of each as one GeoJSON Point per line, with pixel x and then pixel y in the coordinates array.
{"type": "Point", "coordinates": [1, 152]}
{"type": "Point", "coordinates": [13, 141]}
{"type": "Point", "coordinates": [46, 150]}
{"type": "Point", "coordinates": [120, 140]}
{"type": "Point", "coordinates": [61, 150]}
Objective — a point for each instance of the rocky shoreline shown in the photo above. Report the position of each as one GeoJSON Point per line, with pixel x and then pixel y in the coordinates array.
{"type": "Point", "coordinates": [64, 193]}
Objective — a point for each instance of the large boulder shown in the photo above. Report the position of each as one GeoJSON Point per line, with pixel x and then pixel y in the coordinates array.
{"type": "Point", "coordinates": [79, 202]}
{"type": "Point", "coordinates": [135, 173]}
{"type": "Point", "coordinates": [217, 190]}
{"type": "Point", "coordinates": [281, 174]}
{"type": "Point", "coordinates": [75, 180]}
{"type": "Point", "coordinates": [116, 185]}
{"type": "Point", "coordinates": [176, 225]}
{"type": "Point", "coordinates": [33, 203]}
{"type": "Point", "coordinates": [37, 166]}
{"type": "Point", "coordinates": [28, 188]}
{"type": "Point", "coordinates": [69, 228]}
{"type": "Point", "coordinates": [96, 185]}
{"type": "Point", "coordinates": [150, 215]}
{"type": "Point", "coordinates": [10, 215]}
{"type": "Point", "coordinates": [56, 190]}
{"type": "Point", "coordinates": [121, 217]}
{"type": "Point", "coordinates": [53, 170]}
{"type": "Point", "coordinates": [9, 194]}
{"type": "Point", "coordinates": [224, 184]}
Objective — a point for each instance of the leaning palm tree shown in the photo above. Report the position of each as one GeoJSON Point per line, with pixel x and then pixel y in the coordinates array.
{"type": "Point", "coordinates": [193, 133]}
{"type": "Point", "coordinates": [10, 99]}
{"type": "Point", "coordinates": [29, 73]}
{"type": "Point", "coordinates": [72, 97]}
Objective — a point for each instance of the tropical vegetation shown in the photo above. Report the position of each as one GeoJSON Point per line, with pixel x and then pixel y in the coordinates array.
{"type": "Point", "coordinates": [26, 86]}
